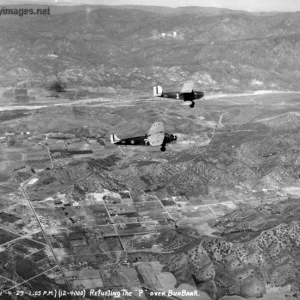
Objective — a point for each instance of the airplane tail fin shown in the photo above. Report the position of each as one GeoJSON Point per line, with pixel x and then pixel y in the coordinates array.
{"type": "Point", "coordinates": [157, 91]}
{"type": "Point", "coordinates": [114, 139]}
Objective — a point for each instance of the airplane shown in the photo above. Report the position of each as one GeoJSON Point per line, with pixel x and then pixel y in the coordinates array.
{"type": "Point", "coordinates": [155, 137]}
{"type": "Point", "coordinates": [189, 92]}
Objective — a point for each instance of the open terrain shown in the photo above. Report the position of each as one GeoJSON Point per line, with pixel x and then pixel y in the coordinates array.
{"type": "Point", "coordinates": [215, 216]}
{"type": "Point", "coordinates": [110, 51]}
{"type": "Point", "coordinates": [214, 211]}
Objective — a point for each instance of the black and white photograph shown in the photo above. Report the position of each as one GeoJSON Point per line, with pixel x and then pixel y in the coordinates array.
{"type": "Point", "coordinates": [149, 150]}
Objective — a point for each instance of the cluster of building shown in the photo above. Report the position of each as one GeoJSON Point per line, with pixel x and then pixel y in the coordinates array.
{"type": "Point", "coordinates": [19, 94]}
{"type": "Point", "coordinates": [174, 34]}
{"type": "Point", "coordinates": [17, 133]}
{"type": "Point", "coordinates": [52, 55]}
{"type": "Point", "coordinates": [8, 136]}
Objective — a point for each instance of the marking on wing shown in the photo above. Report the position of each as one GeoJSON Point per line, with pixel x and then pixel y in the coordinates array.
{"type": "Point", "coordinates": [157, 127]}
{"type": "Point", "coordinates": [156, 139]}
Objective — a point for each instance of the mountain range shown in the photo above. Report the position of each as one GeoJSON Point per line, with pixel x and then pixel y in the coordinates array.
{"type": "Point", "coordinates": [137, 47]}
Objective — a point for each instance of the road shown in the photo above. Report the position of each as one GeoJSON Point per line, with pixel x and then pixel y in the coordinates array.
{"type": "Point", "coordinates": [49, 154]}
{"type": "Point", "coordinates": [280, 115]}
{"type": "Point", "coordinates": [109, 102]}
{"type": "Point", "coordinates": [18, 284]}
{"type": "Point", "coordinates": [23, 186]}
{"type": "Point", "coordinates": [220, 119]}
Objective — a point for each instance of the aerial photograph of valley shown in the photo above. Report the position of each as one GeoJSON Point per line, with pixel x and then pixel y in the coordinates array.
{"type": "Point", "coordinates": [150, 150]}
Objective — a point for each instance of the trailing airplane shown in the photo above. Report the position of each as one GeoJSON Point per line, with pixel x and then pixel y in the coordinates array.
{"type": "Point", "coordinates": [189, 92]}
{"type": "Point", "coordinates": [155, 137]}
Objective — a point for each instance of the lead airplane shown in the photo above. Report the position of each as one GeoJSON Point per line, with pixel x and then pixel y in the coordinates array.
{"type": "Point", "coordinates": [189, 92]}
{"type": "Point", "coordinates": [155, 137]}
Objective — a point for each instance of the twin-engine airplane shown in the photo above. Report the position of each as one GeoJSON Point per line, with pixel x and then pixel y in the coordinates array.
{"type": "Point", "coordinates": [189, 92]}
{"type": "Point", "coordinates": [155, 137]}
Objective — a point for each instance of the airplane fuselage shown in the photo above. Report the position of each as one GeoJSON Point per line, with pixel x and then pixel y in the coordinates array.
{"type": "Point", "coordinates": [143, 141]}
{"type": "Point", "coordinates": [189, 92]}
{"type": "Point", "coordinates": [156, 137]}
{"type": "Point", "coordinates": [134, 141]}
{"type": "Point", "coordinates": [183, 96]}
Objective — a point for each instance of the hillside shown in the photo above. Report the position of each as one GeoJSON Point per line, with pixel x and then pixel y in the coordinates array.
{"type": "Point", "coordinates": [210, 214]}
{"type": "Point", "coordinates": [216, 214]}
{"type": "Point", "coordinates": [123, 47]}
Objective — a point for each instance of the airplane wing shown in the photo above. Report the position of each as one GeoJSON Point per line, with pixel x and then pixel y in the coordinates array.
{"type": "Point", "coordinates": [156, 128]}
{"type": "Point", "coordinates": [156, 134]}
{"type": "Point", "coordinates": [156, 139]}
{"type": "Point", "coordinates": [187, 87]}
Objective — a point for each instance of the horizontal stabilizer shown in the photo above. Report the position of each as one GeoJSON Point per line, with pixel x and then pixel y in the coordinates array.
{"type": "Point", "coordinates": [157, 91]}
{"type": "Point", "coordinates": [114, 139]}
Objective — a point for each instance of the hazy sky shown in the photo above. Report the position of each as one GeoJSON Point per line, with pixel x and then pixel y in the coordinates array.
{"type": "Point", "coordinates": [249, 5]}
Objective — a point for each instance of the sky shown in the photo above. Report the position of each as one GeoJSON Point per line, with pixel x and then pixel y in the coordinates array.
{"type": "Point", "coordinates": [248, 5]}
